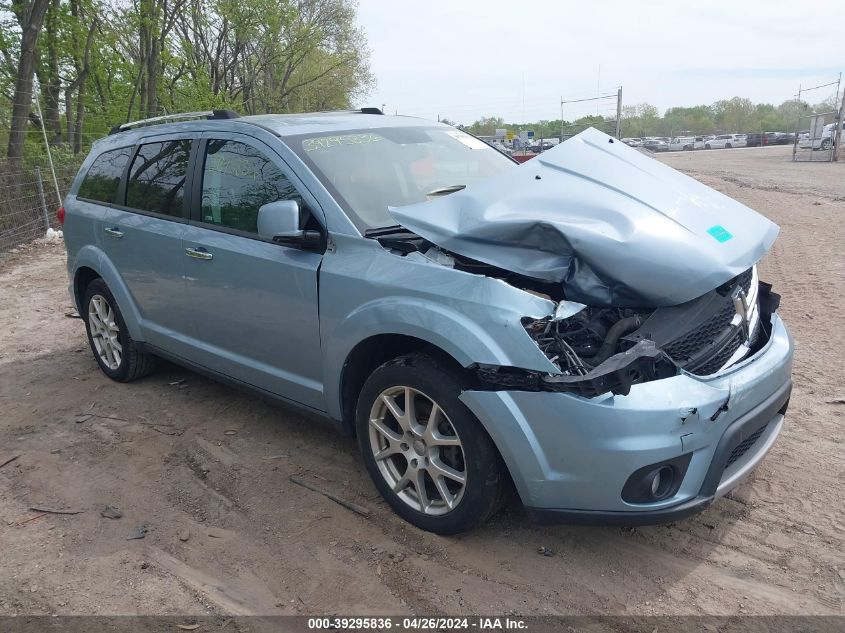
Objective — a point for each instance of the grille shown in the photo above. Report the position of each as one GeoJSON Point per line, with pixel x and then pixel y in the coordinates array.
{"type": "Point", "coordinates": [742, 448]}
{"type": "Point", "coordinates": [714, 363]}
{"type": "Point", "coordinates": [744, 279]}
{"type": "Point", "coordinates": [684, 349]}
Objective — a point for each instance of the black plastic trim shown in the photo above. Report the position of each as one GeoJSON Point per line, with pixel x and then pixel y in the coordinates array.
{"type": "Point", "coordinates": [635, 490]}
{"type": "Point", "coordinates": [741, 428]}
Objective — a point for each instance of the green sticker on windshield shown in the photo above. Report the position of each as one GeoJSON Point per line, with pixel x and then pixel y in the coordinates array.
{"type": "Point", "coordinates": [720, 233]}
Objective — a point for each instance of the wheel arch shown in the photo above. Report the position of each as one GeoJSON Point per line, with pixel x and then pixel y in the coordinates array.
{"type": "Point", "coordinates": [371, 353]}
{"type": "Point", "coordinates": [92, 263]}
{"type": "Point", "coordinates": [84, 275]}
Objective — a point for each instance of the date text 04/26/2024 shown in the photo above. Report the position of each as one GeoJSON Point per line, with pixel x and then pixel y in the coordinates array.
{"type": "Point", "coordinates": [418, 623]}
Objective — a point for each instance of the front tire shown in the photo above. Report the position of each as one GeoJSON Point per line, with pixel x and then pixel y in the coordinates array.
{"type": "Point", "coordinates": [119, 357]}
{"type": "Point", "coordinates": [427, 454]}
{"type": "Point", "coordinates": [727, 145]}
{"type": "Point", "coordinates": [826, 143]}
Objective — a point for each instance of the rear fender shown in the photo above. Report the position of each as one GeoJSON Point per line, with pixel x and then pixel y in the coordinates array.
{"type": "Point", "coordinates": [93, 257]}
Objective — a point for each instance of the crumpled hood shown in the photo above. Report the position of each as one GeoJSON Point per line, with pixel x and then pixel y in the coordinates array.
{"type": "Point", "coordinates": [614, 226]}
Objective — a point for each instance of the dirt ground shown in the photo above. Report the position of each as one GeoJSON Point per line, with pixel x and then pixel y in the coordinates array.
{"type": "Point", "coordinates": [207, 469]}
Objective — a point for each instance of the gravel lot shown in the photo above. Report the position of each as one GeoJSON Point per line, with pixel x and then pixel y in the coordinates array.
{"type": "Point", "coordinates": [207, 470]}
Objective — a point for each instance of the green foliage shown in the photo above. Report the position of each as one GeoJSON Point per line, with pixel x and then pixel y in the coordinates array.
{"type": "Point", "coordinates": [736, 115]}
{"type": "Point", "coordinates": [252, 56]}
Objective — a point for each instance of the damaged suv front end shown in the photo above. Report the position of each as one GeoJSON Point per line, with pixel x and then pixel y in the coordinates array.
{"type": "Point", "coordinates": [617, 344]}
{"type": "Point", "coordinates": [665, 411]}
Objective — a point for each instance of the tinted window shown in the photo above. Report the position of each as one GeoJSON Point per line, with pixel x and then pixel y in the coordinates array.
{"type": "Point", "coordinates": [157, 177]}
{"type": "Point", "coordinates": [237, 180]}
{"type": "Point", "coordinates": [103, 177]}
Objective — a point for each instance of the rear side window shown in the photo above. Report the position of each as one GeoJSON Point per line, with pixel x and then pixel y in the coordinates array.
{"type": "Point", "coordinates": [103, 177]}
{"type": "Point", "coordinates": [237, 180]}
{"type": "Point", "coordinates": [157, 177]}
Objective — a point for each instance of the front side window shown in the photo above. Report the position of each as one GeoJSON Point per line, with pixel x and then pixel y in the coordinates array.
{"type": "Point", "coordinates": [237, 180]}
{"type": "Point", "coordinates": [103, 177]}
{"type": "Point", "coordinates": [157, 177]}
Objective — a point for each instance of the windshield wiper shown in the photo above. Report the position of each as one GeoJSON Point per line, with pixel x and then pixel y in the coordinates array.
{"type": "Point", "coordinates": [442, 191]}
{"type": "Point", "coordinates": [391, 231]}
{"type": "Point", "coordinates": [397, 237]}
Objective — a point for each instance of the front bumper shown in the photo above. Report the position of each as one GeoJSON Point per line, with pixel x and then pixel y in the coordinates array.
{"type": "Point", "coordinates": [570, 456]}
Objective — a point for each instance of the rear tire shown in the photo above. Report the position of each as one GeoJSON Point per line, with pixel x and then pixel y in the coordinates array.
{"type": "Point", "coordinates": [707, 146]}
{"type": "Point", "coordinates": [434, 464]}
{"type": "Point", "coordinates": [727, 145]}
{"type": "Point", "coordinates": [826, 143]}
{"type": "Point", "coordinates": [119, 357]}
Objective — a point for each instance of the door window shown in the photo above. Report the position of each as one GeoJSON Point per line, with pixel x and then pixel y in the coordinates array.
{"type": "Point", "coordinates": [103, 177]}
{"type": "Point", "coordinates": [237, 180]}
{"type": "Point", "coordinates": [157, 177]}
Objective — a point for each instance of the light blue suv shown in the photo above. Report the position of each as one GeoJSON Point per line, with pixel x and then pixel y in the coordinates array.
{"type": "Point", "coordinates": [587, 327]}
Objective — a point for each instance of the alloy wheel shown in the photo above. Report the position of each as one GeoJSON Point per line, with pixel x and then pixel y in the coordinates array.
{"type": "Point", "coordinates": [417, 450]}
{"type": "Point", "coordinates": [104, 332]}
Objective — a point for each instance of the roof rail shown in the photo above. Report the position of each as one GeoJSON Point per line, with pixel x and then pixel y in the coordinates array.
{"type": "Point", "coordinates": [167, 118]}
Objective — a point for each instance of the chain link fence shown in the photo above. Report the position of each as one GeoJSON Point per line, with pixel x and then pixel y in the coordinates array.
{"type": "Point", "coordinates": [816, 130]}
{"type": "Point", "coordinates": [815, 138]}
{"type": "Point", "coordinates": [28, 201]}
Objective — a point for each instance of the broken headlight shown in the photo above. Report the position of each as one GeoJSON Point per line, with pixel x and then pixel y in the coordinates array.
{"type": "Point", "coordinates": [588, 346]}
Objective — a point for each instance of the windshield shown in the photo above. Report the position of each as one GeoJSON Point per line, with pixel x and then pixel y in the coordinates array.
{"type": "Point", "coordinates": [369, 170]}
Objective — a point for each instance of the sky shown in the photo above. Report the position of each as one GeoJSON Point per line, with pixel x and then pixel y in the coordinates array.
{"type": "Point", "coordinates": [465, 59]}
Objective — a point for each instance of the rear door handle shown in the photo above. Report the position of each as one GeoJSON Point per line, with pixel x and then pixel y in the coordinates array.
{"type": "Point", "coordinates": [113, 232]}
{"type": "Point", "coordinates": [198, 253]}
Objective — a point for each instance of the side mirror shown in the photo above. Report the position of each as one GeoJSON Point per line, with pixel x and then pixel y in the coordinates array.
{"type": "Point", "coordinates": [279, 221]}
{"type": "Point", "coordinates": [278, 218]}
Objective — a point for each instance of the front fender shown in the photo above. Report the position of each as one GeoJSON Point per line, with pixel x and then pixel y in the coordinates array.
{"type": "Point", "coordinates": [367, 291]}
{"type": "Point", "coordinates": [467, 339]}
{"type": "Point", "coordinates": [93, 257]}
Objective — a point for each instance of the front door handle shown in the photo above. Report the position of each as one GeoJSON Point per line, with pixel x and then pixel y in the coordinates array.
{"type": "Point", "coordinates": [198, 253]}
{"type": "Point", "coordinates": [113, 231]}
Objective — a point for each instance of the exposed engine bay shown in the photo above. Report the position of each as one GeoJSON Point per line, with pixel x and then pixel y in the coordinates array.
{"type": "Point", "coordinates": [609, 349]}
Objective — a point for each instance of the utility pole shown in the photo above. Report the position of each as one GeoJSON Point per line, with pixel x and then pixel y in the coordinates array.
{"type": "Point", "coordinates": [837, 134]}
{"type": "Point", "coordinates": [561, 119]}
{"type": "Point", "coordinates": [797, 126]}
{"type": "Point", "coordinates": [618, 110]}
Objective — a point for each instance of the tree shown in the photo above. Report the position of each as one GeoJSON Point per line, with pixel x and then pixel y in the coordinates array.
{"type": "Point", "coordinates": [639, 120]}
{"type": "Point", "coordinates": [100, 62]}
{"type": "Point", "coordinates": [30, 16]}
{"type": "Point", "coordinates": [487, 126]}
{"type": "Point", "coordinates": [735, 114]}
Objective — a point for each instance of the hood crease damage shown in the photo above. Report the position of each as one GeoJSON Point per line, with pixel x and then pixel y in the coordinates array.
{"type": "Point", "coordinates": [652, 272]}
{"type": "Point", "coordinates": [610, 225]}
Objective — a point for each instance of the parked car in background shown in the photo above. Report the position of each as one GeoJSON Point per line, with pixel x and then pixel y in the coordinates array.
{"type": "Point", "coordinates": [726, 141]}
{"type": "Point", "coordinates": [686, 143]}
{"type": "Point", "coordinates": [633, 142]}
{"type": "Point", "coordinates": [315, 259]}
{"type": "Point", "coordinates": [498, 145]}
{"type": "Point", "coordinates": [758, 139]}
{"type": "Point", "coordinates": [656, 145]}
{"type": "Point", "coordinates": [785, 138]}
{"type": "Point", "coordinates": [823, 142]}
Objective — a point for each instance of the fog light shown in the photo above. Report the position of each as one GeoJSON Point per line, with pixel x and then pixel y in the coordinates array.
{"type": "Point", "coordinates": [656, 482]}
{"type": "Point", "coordinates": [661, 482]}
